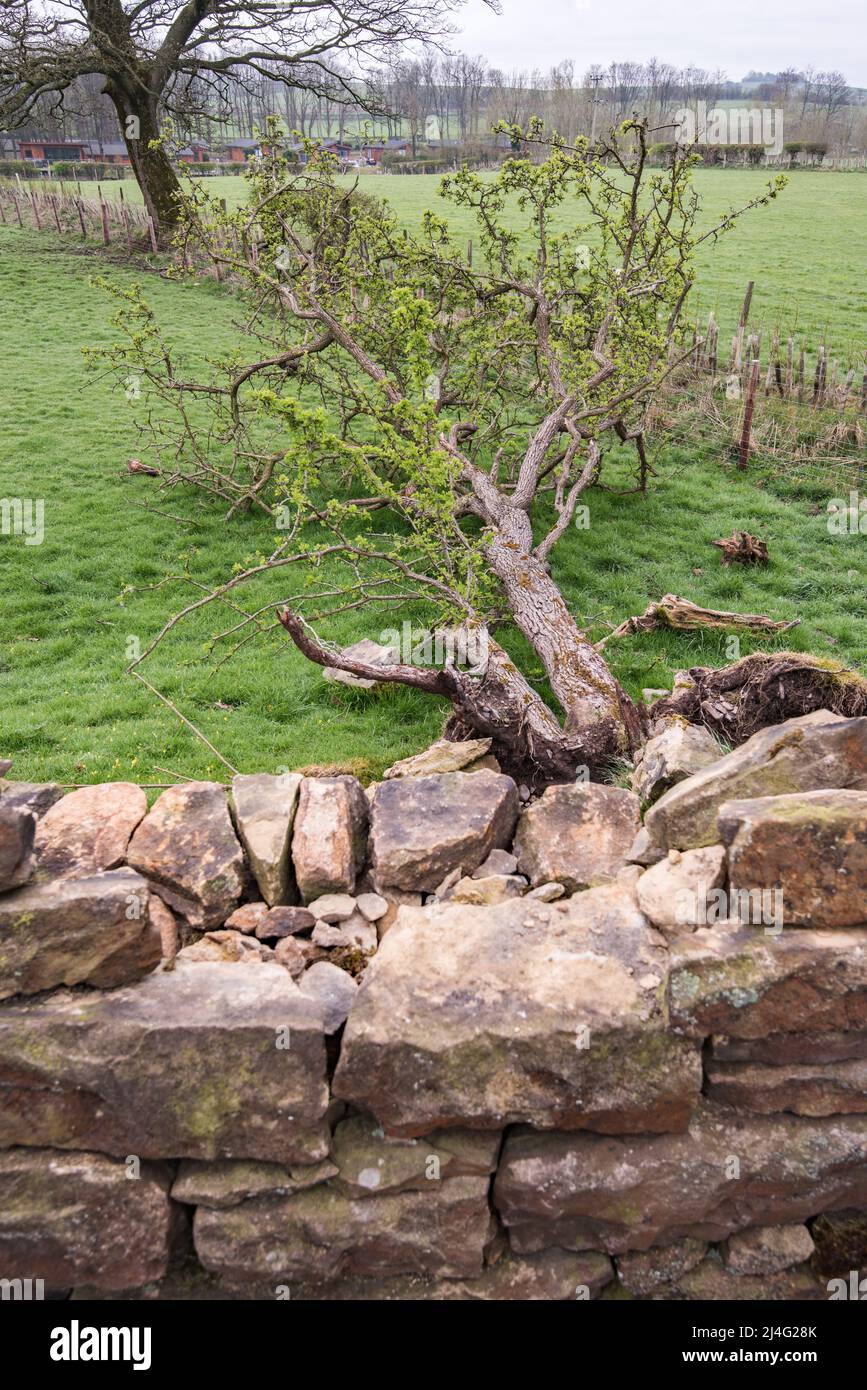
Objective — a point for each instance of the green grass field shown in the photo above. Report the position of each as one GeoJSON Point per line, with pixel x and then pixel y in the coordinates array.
{"type": "Point", "coordinates": [805, 251]}
{"type": "Point", "coordinates": [68, 711]}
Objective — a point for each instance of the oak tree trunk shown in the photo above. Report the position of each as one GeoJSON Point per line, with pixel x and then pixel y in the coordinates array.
{"type": "Point", "coordinates": [137, 112]}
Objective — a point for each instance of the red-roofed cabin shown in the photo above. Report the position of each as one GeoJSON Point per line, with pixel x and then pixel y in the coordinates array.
{"type": "Point", "coordinates": [40, 150]}
{"type": "Point", "coordinates": [194, 154]}
{"type": "Point", "coordinates": [239, 151]}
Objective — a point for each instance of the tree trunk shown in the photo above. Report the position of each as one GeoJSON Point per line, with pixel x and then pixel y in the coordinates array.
{"type": "Point", "coordinates": [590, 696]}
{"type": "Point", "coordinates": [528, 740]}
{"type": "Point", "coordinates": [137, 112]}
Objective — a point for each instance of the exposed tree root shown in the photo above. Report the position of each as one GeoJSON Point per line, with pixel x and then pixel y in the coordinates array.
{"type": "Point", "coordinates": [762, 689]}
{"type": "Point", "coordinates": [743, 549]}
{"type": "Point", "coordinates": [684, 616]}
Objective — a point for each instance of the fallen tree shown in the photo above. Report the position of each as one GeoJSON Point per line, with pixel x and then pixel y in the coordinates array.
{"type": "Point", "coordinates": [441, 422]}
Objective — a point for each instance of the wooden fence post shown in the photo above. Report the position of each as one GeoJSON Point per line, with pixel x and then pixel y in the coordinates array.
{"type": "Point", "coordinates": [819, 376]}
{"type": "Point", "coordinates": [749, 407]}
{"type": "Point", "coordinates": [712, 346]}
{"type": "Point", "coordinates": [790, 366]}
{"type": "Point", "coordinates": [742, 323]}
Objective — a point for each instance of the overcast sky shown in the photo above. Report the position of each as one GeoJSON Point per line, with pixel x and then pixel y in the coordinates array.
{"type": "Point", "coordinates": [735, 35]}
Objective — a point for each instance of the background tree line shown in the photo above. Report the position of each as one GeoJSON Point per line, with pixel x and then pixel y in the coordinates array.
{"type": "Point", "coordinates": [460, 97]}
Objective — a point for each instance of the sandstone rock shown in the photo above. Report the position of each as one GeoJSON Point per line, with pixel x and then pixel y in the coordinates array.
{"type": "Point", "coordinates": [89, 830]}
{"type": "Point", "coordinates": [491, 1016]}
{"type": "Point", "coordinates": [818, 1088]}
{"type": "Point", "coordinates": [578, 834]}
{"type": "Point", "coordinates": [840, 1238]}
{"type": "Point", "coordinates": [487, 763]}
{"type": "Point", "coordinates": [137, 958]}
{"type": "Point", "coordinates": [264, 808]}
{"type": "Point", "coordinates": [247, 917]}
{"type": "Point", "coordinates": [17, 831]}
{"type": "Point", "coordinates": [424, 827]}
{"type": "Point", "coordinates": [551, 1276]}
{"type": "Point", "coordinates": [642, 1272]}
{"type": "Point", "coordinates": [204, 1061]}
{"type": "Point", "coordinates": [284, 921]}
{"type": "Point", "coordinates": [329, 840]}
{"type": "Point", "coordinates": [35, 797]}
{"type": "Point", "coordinates": [332, 907]}
{"type": "Point", "coordinates": [226, 1182]}
{"type": "Point", "coordinates": [725, 1174]}
{"type": "Point", "coordinates": [370, 1165]}
{"type": "Point", "coordinates": [629, 875]}
{"type": "Point", "coordinates": [497, 888]}
{"type": "Point", "coordinates": [547, 892]}
{"type": "Point", "coordinates": [768, 1249]}
{"type": "Point", "coordinates": [75, 1218]}
{"type": "Point", "coordinates": [778, 1049]}
{"type": "Point", "coordinates": [374, 653]}
{"type": "Point", "coordinates": [671, 756]}
{"type": "Point", "coordinates": [396, 899]}
{"type": "Point", "coordinates": [356, 934]}
{"type": "Point", "coordinates": [163, 921]}
{"type": "Point", "coordinates": [674, 896]}
{"type": "Point", "coordinates": [228, 946]}
{"type": "Point", "coordinates": [711, 1281]}
{"type": "Point", "coordinates": [499, 861]}
{"type": "Point", "coordinates": [332, 989]}
{"type": "Point", "coordinates": [320, 1235]}
{"type": "Point", "coordinates": [95, 930]}
{"type": "Point", "coordinates": [360, 934]}
{"type": "Point", "coordinates": [372, 906]}
{"type": "Point", "coordinates": [291, 953]}
{"type": "Point", "coordinates": [748, 984]}
{"type": "Point", "coordinates": [641, 851]}
{"type": "Point", "coordinates": [443, 890]}
{"type": "Point", "coordinates": [187, 846]}
{"type": "Point", "coordinates": [811, 846]}
{"type": "Point", "coordinates": [813, 752]}
{"type": "Point", "coordinates": [442, 756]}
{"type": "Point", "coordinates": [326, 935]}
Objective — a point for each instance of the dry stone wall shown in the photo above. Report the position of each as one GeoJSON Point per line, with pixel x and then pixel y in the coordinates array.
{"type": "Point", "coordinates": [437, 1039]}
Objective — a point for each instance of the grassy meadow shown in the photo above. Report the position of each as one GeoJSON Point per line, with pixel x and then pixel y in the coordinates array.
{"type": "Point", "coordinates": [67, 627]}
